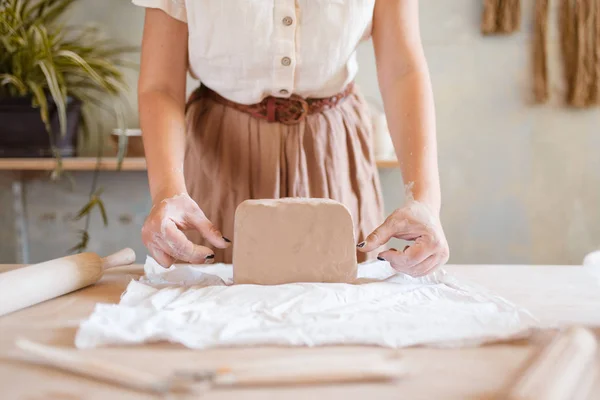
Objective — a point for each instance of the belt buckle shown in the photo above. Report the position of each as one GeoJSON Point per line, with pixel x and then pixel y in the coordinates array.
{"type": "Point", "coordinates": [294, 110]}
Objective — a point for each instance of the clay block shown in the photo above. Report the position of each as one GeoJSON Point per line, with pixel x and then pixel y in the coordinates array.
{"type": "Point", "coordinates": [293, 240]}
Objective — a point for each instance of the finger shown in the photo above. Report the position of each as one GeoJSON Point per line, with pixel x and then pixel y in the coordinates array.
{"type": "Point", "coordinates": [393, 226]}
{"type": "Point", "coordinates": [411, 232]}
{"type": "Point", "coordinates": [427, 266]}
{"type": "Point", "coordinates": [180, 247]}
{"type": "Point", "coordinates": [161, 257]}
{"type": "Point", "coordinates": [395, 258]}
{"type": "Point", "coordinates": [199, 221]}
{"type": "Point", "coordinates": [419, 251]}
{"type": "Point", "coordinates": [208, 259]}
{"type": "Point", "coordinates": [410, 257]}
{"type": "Point", "coordinates": [387, 254]}
{"type": "Point", "coordinates": [380, 236]}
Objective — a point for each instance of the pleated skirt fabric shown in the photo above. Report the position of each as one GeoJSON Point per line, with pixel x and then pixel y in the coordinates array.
{"type": "Point", "coordinates": [231, 157]}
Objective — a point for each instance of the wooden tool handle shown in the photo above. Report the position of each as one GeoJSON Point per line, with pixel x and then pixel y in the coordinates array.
{"type": "Point", "coordinates": [297, 373]}
{"type": "Point", "coordinates": [305, 377]}
{"type": "Point", "coordinates": [120, 258]}
{"type": "Point", "coordinates": [558, 371]}
{"type": "Point", "coordinates": [71, 361]}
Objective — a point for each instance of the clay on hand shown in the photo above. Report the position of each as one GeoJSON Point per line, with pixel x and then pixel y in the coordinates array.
{"type": "Point", "coordinates": [417, 223]}
{"type": "Point", "coordinates": [163, 236]}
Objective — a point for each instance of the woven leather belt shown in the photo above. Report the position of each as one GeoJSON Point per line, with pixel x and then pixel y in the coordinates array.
{"type": "Point", "coordinates": [288, 111]}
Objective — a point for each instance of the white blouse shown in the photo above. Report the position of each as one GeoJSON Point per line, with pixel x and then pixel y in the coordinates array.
{"type": "Point", "coordinates": [246, 50]}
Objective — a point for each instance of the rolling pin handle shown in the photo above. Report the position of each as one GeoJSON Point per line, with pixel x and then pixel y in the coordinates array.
{"type": "Point", "coordinates": [121, 257]}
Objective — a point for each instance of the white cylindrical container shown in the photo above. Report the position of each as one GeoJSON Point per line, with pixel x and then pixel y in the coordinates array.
{"type": "Point", "coordinates": [382, 142]}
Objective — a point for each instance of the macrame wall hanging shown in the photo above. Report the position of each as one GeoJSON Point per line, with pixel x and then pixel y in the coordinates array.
{"type": "Point", "coordinates": [579, 27]}
{"type": "Point", "coordinates": [580, 46]}
{"type": "Point", "coordinates": [541, 91]}
{"type": "Point", "coordinates": [501, 16]}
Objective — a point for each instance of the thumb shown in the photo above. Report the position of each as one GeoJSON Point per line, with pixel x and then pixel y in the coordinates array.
{"type": "Point", "coordinates": [380, 236]}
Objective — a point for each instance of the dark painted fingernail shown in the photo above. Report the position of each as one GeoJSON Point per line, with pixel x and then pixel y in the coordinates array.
{"type": "Point", "coordinates": [381, 258]}
{"type": "Point", "coordinates": [405, 248]}
{"type": "Point", "coordinates": [361, 245]}
{"type": "Point", "coordinates": [225, 239]}
{"type": "Point", "coordinates": [209, 257]}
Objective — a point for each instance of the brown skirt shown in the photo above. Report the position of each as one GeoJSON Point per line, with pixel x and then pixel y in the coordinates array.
{"type": "Point", "coordinates": [231, 157]}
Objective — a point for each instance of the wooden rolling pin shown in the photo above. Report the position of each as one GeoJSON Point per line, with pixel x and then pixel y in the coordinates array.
{"type": "Point", "coordinates": [24, 287]}
{"type": "Point", "coordinates": [560, 371]}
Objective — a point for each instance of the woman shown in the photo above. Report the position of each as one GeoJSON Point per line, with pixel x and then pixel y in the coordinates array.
{"type": "Point", "coordinates": [278, 116]}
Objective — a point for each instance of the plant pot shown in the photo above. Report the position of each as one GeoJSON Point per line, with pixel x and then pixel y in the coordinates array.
{"type": "Point", "coordinates": [23, 134]}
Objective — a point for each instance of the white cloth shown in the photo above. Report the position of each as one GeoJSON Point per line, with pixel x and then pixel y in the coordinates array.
{"type": "Point", "coordinates": [592, 259]}
{"type": "Point", "coordinates": [246, 50]}
{"type": "Point", "coordinates": [200, 308]}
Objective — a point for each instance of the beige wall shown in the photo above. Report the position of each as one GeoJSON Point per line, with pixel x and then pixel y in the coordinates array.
{"type": "Point", "coordinates": [521, 183]}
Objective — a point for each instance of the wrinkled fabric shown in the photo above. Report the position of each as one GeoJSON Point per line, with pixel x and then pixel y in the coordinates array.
{"type": "Point", "coordinates": [231, 157]}
{"type": "Point", "coordinates": [200, 308]}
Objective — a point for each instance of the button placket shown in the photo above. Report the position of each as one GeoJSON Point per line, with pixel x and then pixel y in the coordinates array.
{"type": "Point", "coordinates": [284, 46]}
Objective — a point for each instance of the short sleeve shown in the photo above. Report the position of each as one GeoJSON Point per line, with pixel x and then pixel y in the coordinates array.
{"type": "Point", "coordinates": [175, 8]}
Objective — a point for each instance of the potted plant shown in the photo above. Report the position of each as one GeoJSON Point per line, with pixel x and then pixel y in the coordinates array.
{"type": "Point", "coordinates": [51, 75]}
{"type": "Point", "coordinates": [56, 82]}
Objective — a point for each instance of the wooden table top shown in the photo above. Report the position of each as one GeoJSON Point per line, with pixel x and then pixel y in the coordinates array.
{"type": "Point", "coordinates": [564, 295]}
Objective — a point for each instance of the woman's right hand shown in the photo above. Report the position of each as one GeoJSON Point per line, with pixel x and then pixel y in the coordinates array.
{"type": "Point", "coordinates": [163, 236]}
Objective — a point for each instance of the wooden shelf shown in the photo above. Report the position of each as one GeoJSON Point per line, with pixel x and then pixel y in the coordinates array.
{"type": "Point", "coordinates": [71, 164]}
{"type": "Point", "coordinates": [106, 164]}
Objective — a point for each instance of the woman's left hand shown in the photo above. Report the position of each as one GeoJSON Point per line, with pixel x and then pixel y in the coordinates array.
{"type": "Point", "coordinates": [414, 222]}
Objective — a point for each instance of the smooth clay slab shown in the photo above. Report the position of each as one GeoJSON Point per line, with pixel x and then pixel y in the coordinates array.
{"type": "Point", "coordinates": [293, 240]}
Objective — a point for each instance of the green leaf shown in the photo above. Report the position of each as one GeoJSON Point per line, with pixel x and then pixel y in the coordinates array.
{"type": "Point", "coordinates": [102, 211]}
{"type": "Point", "coordinates": [82, 244]}
{"type": "Point", "coordinates": [40, 97]}
{"type": "Point", "coordinates": [86, 209]}
{"type": "Point", "coordinates": [76, 58]}
{"type": "Point", "coordinates": [56, 93]}
{"type": "Point", "coordinates": [54, 10]}
{"type": "Point", "coordinates": [84, 122]}
{"type": "Point", "coordinates": [123, 141]}
{"type": "Point", "coordinates": [94, 201]}
{"type": "Point", "coordinates": [58, 171]}
{"type": "Point", "coordinates": [6, 79]}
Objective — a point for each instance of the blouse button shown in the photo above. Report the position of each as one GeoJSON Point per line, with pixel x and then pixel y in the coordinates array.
{"type": "Point", "coordinates": [286, 61]}
{"type": "Point", "coordinates": [284, 91]}
{"type": "Point", "coordinates": [287, 21]}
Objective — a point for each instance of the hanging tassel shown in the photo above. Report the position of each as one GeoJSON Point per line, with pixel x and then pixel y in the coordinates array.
{"type": "Point", "coordinates": [540, 53]}
{"type": "Point", "coordinates": [581, 82]}
{"type": "Point", "coordinates": [580, 40]}
{"type": "Point", "coordinates": [509, 19]}
{"type": "Point", "coordinates": [595, 50]}
{"type": "Point", "coordinates": [568, 42]}
{"type": "Point", "coordinates": [488, 21]}
{"type": "Point", "coordinates": [501, 16]}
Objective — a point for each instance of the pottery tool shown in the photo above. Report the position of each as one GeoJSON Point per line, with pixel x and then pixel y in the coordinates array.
{"type": "Point", "coordinates": [72, 361]}
{"type": "Point", "coordinates": [274, 372]}
{"type": "Point", "coordinates": [562, 370]}
{"type": "Point", "coordinates": [24, 287]}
